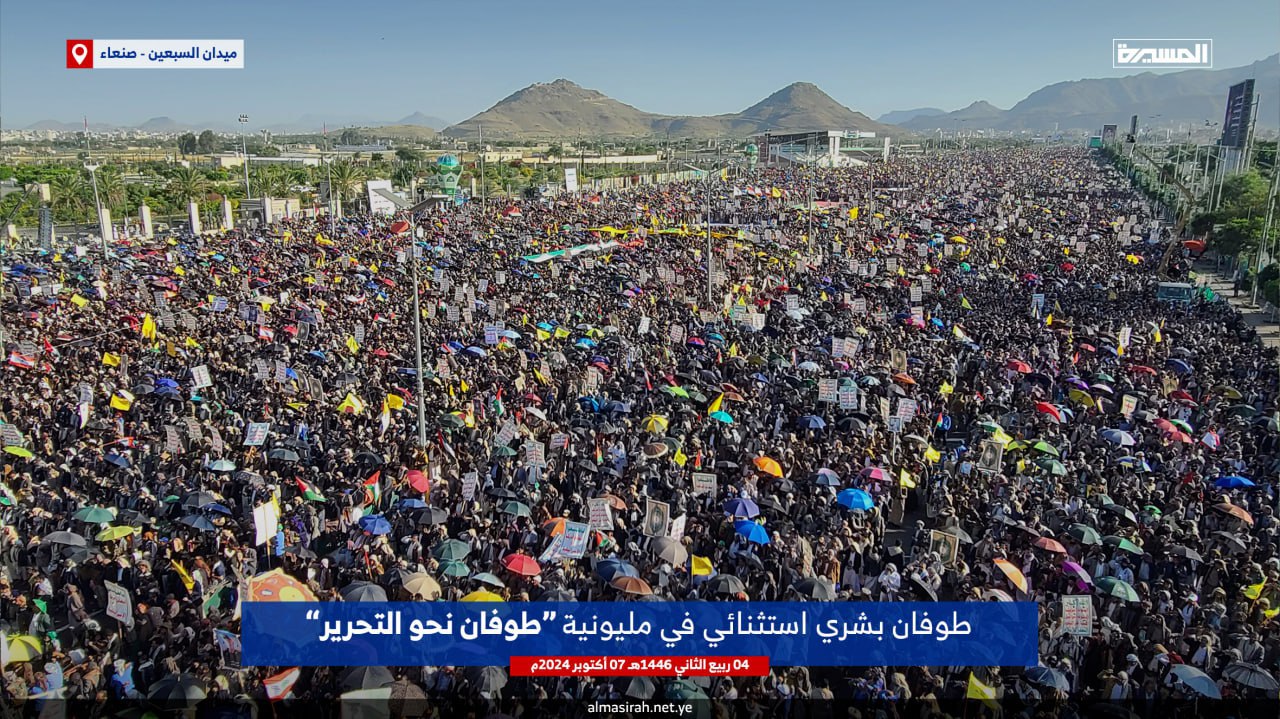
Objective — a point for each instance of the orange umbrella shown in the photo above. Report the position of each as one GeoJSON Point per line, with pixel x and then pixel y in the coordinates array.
{"type": "Point", "coordinates": [1236, 511]}
{"type": "Point", "coordinates": [276, 586]}
{"type": "Point", "coordinates": [633, 585]}
{"type": "Point", "coordinates": [904, 378]}
{"type": "Point", "coordinates": [554, 527]}
{"type": "Point", "coordinates": [1013, 573]}
{"type": "Point", "coordinates": [768, 466]}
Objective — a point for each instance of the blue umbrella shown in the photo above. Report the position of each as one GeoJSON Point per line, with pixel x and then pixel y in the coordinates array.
{"type": "Point", "coordinates": [1196, 680]}
{"type": "Point", "coordinates": [166, 382]}
{"type": "Point", "coordinates": [610, 569]}
{"type": "Point", "coordinates": [1046, 677]}
{"type": "Point", "coordinates": [616, 407]}
{"type": "Point", "coordinates": [591, 404]}
{"type": "Point", "coordinates": [855, 499]}
{"type": "Point", "coordinates": [318, 355]}
{"type": "Point", "coordinates": [545, 327]}
{"type": "Point", "coordinates": [811, 421]}
{"type": "Point", "coordinates": [826, 477]}
{"type": "Point", "coordinates": [741, 507]}
{"type": "Point", "coordinates": [476, 351]}
{"type": "Point", "coordinates": [1178, 365]}
{"type": "Point", "coordinates": [119, 460]}
{"type": "Point", "coordinates": [1235, 481]}
{"type": "Point", "coordinates": [411, 504]}
{"type": "Point", "coordinates": [751, 531]}
{"type": "Point", "coordinates": [1119, 436]}
{"type": "Point", "coordinates": [375, 524]}
{"type": "Point", "coordinates": [215, 507]}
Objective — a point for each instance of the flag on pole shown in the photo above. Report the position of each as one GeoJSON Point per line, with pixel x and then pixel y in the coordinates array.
{"type": "Point", "coordinates": [978, 690]}
{"type": "Point", "coordinates": [715, 405]}
{"type": "Point", "coordinates": [279, 686]}
{"type": "Point", "coordinates": [373, 488]}
{"type": "Point", "coordinates": [309, 491]}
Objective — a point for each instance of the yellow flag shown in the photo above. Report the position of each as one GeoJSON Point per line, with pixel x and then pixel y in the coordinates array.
{"type": "Point", "coordinates": [373, 267]}
{"type": "Point", "coordinates": [946, 388]}
{"type": "Point", "coordinates": [853, 213]}
{"type": "Point", "coordinates": [148, 328]}
{"type": "Point", "coordinates": [463, 384]}
{"type": "Point", "coordinates": [906, 480]}
{"type": "Point", "coordinates": [171, 349]}
{"type": "Point", "coordinates": [187, 581]}
{"type": "Point", "coordinates": [561, 333]}
{"type": "Point", "coordinates": [110, 359]}
{"type": "Point", "coordinates": [177, 270]}
{"type": "Point", "coordinates": [352, 344]}
{"type": "Point", "coordinates": [79, 301]}
{"type": "Point", "coordinates": [978, 690]}
{"type": "Point", "coordinates": [543, 334]}
{"type": "Point", "coordinates": [733, 350]}
{"type": "Point", "coordinates": [351, 405]}
{"type": "Point", "coordinates": [121, 400]}
{"type": "Point", "coordinates": [680, 457]}
{"type": "Point", "coordinates": [191, 343]}
{"type": "Point", "coordinates": [395, 401]}
{"type": "Point", "coordinates": [932, 454]}
{"type": "Point", "coordinates": [699, 566]}
{"type": "Point", "coordinates": [715, 404]}
{"type": "Point", "coordinates": [1001, 436]}
{"type": "Point", "coordinates": [1048, 320]}
{"type": "Point", "coordinates": [1255, 590]}
{"type": "Point", "coordinates": [964, 303]}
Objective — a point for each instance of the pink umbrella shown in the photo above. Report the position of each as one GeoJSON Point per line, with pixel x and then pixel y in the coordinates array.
{"type": "Point", "coordinates": [1083, 580]}
{"type": "Point", "coordinates": [875, 474]}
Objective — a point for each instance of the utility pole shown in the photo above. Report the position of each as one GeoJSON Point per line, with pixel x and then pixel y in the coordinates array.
{"type": "Point", "coordinates": [244, 150]}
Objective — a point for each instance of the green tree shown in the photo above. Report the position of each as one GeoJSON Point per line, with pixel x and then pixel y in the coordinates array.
{"type": "Point", "coordinates": [188, 144]}
{"type": "Point", "coordinates": [111, 188]}
{"type": "Point", "coordinates": [344, 176]}
{"type": "Point", "coordinates": [405, 154]}
{"type": "Point", "coordinates": [69, 197]}
{"type": "Point", "coordinates": [207, 142]}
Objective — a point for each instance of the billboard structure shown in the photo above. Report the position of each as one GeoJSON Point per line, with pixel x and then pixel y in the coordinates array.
{"type": "Point", "coordinates": [1108, 134]}
{"type": "Point", "coordinates": [1235, 126]}
{"type": "Point", "coordinates": [379, 205]}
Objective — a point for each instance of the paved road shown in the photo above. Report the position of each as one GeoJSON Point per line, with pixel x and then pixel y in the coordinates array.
{"type": "Point", "coordinates": [1267, 327]}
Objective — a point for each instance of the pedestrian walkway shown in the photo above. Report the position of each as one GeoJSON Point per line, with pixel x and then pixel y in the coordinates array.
{"type": "Point", "coordinates": [1263, 319]}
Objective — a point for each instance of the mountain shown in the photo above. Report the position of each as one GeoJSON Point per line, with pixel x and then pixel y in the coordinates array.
{"type": "Point", "coordinates": [424, 120]}
{"type": "Point", "coordinates": [57, 126]}
{"type": "Point", "coordinates": [163, 124]}
{"type": "Point", "coordinates": [1165, 100]}
{"type": "Point", "coordinates": [563, 109]}
{"type": "Point", "coordinates": [897, 117]}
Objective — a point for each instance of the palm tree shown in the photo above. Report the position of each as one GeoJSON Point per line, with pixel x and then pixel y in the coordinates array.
{"type": "Point", "coordinates": [188, 184]}
{"type": "Point", "coordinates": [344, 178]}
{"type": "Point", "coordinates": [69, 195]}
{"type": "Point", "coordinates": [403, 175]}
{"type": "Point", "coordinates": [111, 188]}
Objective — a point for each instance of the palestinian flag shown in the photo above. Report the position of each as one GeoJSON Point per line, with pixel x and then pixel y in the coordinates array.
{"type": "Point", "coordinates": [310, 492]}
{"type": "Point", "coordinates": [373, 488]}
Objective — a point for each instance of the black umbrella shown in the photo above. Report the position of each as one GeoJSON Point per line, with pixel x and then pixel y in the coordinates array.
{"type": "Point", "coordinates": [500, 493]}
{"type": "Point", "coordinates": [726, 584]}
{"type": "Point", "coordinates": [177, 689]}
{"type": "Point", "coordinates": [363, 592]}
{"type": "Point", "coordinates": [1046, 677]}
{"type": "Point", "coordinates": [200, 522]}
{"type": "Point", "coordinates": [195, 500]}
{"type": "Point", "coordinates": [921, 589]}
{"type": "Point", "coordinates": [638, 687]}
{"type": "Point", "coordinates": [486, 679]}
{"type": "Point", "coordinates": [68, 538]}
{"type": "Point", "coordinates": [430, 515]}
{"type": "Point", "coordinates": [366, 677]}
{"type": "Point", "coordinates": [282, 455]}
{"type": "Point", "coordinates": [816, 588]}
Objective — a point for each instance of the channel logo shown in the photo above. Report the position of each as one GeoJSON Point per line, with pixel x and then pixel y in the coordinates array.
{"type": "Point", "coordinates": [99, 54]}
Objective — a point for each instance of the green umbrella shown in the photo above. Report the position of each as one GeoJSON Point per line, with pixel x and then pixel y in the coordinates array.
{"type": "Point", "coordinates": [1043, 446]}
{"type": "Point", "coordinates": [1084, 534]}
{"type": "Point", "coordinates": [451, 420]}
{"type": "Point", "coordinates": [519, 509]}
{"type": "Point", "coordinates": [94, 515]}
{"type": "Point", "coordinates": [1113, 587]}
{"type": "Point", "coordinates": [1103, 377]}
{"type": "Point", "coordinates": [19, 451]}
{"type": "Point", "coordinates": [111, 534]}
{"type": "Point", "coordinates": [990, 426]}
{"type": "Point", "coordinates": [1152, 509]}
{"type": "Point", "coordinates": [503, 450]}
{"type": "Point", "coordinates": [1121, 543]}
{"type": "Point", "coordinates": [451, 550]}
{"type": "Point", "coordinates": [676, 391]}
{"type": "Point", "coordinates": [454, 568]}
{"type": "Point", "coordinates": [1242, 410]}
{"type": "Point", "coordinates": [1052, 466]}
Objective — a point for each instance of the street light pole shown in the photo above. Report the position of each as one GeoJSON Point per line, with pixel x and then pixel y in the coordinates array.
{"type": "Point", "coordinates": [417, 340]}
{"type": "Point", "coordinates": [93, 178]}
{"type": "Point", "coordinates": [244, 155]}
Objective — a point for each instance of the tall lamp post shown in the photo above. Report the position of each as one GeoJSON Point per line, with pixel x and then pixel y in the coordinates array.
{"type": "Point", "coordinates": [403, 228]}
{"type": "Point", "coordinates": [244, 155]}
{"type": "Point", "coordinates": [706, 199]}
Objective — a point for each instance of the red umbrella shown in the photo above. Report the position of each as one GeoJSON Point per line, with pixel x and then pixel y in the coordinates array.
{"type": "Point", "coordinates": [1142, 369]}
{"type": "Point", "coordinates": [1194, 245]}
{"type": "Point", "coordinates": [418, 480]}
{"type": "Point", "coordinates": [522, 564]}
{"type": "Point", "coordinates": [1050, 545]}
{"type": "Point", "coordinates": [1046, 408]}
{"type": "Point", "coordinates": [1018, 366]}
{"type": "Point", "coordinates": [1067, 266]}
{"type": "Point", "coordinates": [1181, 395]}
{"type": "Point", "coordinates": [1088, 347]}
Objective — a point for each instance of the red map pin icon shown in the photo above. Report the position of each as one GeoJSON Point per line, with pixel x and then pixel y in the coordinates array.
{"type": "Point", "coordinates": [79, 54]}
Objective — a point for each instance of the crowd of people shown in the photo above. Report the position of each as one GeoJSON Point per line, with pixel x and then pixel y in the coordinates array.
{"type": "Point", "coordinates": [948, 378]}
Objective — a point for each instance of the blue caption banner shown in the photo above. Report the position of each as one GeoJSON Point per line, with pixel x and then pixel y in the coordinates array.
{"type": "Point", "coordinates": [789, 633]}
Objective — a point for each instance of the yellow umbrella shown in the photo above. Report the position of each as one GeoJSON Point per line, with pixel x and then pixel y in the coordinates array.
{"type": "Point", "coordinates": [1013, 573]}
{"type": "Point", "coordinates": [1082, 397]}
{"type": "Point", "coordinates": [25, 648]}
{"type": "Point", "coordinates": [655, 423]}
{"type": "Point", "coordinates": [483, 595]}
{"type": "Point", "coordinates": [19, 452]}
{"type": "Point", "coordinates": [111, 534]}
{"type": "Point", "coordinates": [768, 465]}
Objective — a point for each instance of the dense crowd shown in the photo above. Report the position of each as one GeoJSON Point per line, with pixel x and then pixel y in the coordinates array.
{"type": "Point", "coordinates": [1016, 416]}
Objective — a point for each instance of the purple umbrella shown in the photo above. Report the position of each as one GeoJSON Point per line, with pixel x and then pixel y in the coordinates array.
{"type": "Point", "coordinates": [1083, 580]}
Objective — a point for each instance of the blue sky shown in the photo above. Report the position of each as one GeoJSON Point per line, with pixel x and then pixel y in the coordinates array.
{"type": "Point", "coordinates": [385, 59]}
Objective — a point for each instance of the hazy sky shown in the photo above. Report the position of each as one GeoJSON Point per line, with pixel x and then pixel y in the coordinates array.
{"type": "Point", "coordinates": [385, 59]}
